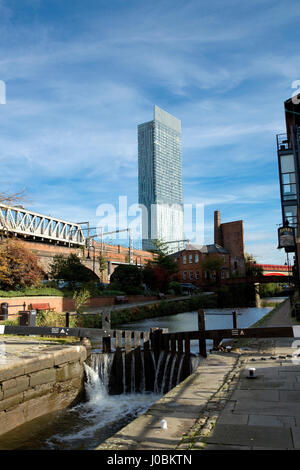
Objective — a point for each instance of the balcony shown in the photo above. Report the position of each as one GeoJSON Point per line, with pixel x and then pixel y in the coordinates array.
{"type": "Point", "coordinates": [283, 143]}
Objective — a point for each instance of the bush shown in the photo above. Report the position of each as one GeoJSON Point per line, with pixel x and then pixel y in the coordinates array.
{"type": "Point", "coordinates": [112, 293]}
{"type": "Point", "coordinates": [80, 299]}
{"type": "Point", "coordinates": [176, 287]}
{"type": "Point", "coordinates": [89, 321]}
{"type": "Point", "coordinates": [270, 290]}
{"type": "Point", "coordinates": [44, 318]}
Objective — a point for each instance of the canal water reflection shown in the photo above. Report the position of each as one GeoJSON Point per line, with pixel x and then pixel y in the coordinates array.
{"type": "Point", "coordinates": [215, 318]}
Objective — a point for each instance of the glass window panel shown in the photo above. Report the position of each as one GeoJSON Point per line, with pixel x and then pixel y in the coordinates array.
{"type": "Point", "coordinates": [290, 211]}
{"type": "Point", "coordinates": [288, 178]}
{"type": "Point", "coordinates": [287, 163]}
{"type": "Point", "coordinates": [289, 189]}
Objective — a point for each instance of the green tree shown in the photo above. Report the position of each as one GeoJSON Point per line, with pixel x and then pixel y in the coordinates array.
{"type": "Point", "coordinates": [213, 265]}
{"type": "Point", "coordinates": [162, 258]}
{"type": "Point", "coordinates": [70, 269]}
{"type": "Point", "coordinates": [127, 277]}
{"type": "Point", "coordinates": [102, 265]}
{"type": "Point", "coordinates": [252, 269]}
{"type": "Point", "coordinates": [159, 271]}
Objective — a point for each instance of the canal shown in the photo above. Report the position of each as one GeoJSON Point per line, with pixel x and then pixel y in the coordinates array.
{"type": "Point", "coordinates": [89, 423]}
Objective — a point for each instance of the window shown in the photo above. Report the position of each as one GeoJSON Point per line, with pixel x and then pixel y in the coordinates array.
{"type": "Point", "coordinates": [184, 275]}
{"type": "Point", "coordinates": [290, 213]}
{"type": "Point", "coordinates": [288, 186]}
{"type": "Point", "coordinates": [288, 178]}
{"type": "Point", "coordinates": [190, 259]}
{"type": "Point", "coordinates": [191, 275]}
{"type": "Point", "coordinates": [196, 258]}
{"type": "Point", "coordinates": [197, 274]}
{"type": "Point", "coordinates": [184, 259]}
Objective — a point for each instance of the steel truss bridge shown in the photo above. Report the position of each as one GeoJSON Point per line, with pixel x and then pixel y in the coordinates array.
{"type": "Point", "coordinates": [19, 221]}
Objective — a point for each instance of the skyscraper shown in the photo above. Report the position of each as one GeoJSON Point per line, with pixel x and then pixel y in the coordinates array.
{"type": "Point", "coordinates": [160, 179]}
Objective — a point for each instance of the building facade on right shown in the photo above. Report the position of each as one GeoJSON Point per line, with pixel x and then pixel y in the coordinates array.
{"type": "Point", "coordinates": [288, 152]}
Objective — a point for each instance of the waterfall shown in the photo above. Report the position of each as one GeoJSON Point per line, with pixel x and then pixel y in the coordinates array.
{"type": "Point", "coordinates": [165, 374]}
{"type": "Point", "coordinates": [132, 388]}
{"type": "Point", "coordinates": [157, 370]}
{"type": "Point", "coordinates": [179, 368]}
{"type": "Point", "coordinates": [175, 359]}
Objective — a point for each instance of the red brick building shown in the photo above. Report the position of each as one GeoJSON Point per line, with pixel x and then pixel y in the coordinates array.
{"type": "Point", "coordinates": [192, 260]}
{"type": "Point", "coordinates": [228, 247]}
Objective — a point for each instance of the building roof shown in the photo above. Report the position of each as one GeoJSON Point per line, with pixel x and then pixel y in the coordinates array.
{"type": "Point", "coordinates": [205, 249]}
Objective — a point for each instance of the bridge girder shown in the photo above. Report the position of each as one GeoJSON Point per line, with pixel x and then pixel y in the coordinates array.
{"type": "Point", "coordinates": [22, 222]}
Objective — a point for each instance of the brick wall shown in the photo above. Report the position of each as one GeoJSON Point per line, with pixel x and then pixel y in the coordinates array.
{"type": "Point", "coordinates": [66, 304]}
{"type": "Point", "coordinates": [113, 253]}
{"type": "Point", "coordinates": [233, 241]}
{"type": "Point", "coordinates": [193, 266]}
{"type": "Point", "coordinates": [233, 238]}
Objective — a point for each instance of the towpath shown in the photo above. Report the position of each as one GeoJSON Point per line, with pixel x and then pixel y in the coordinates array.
{"type": "Point", "coordinates": [135, 304]}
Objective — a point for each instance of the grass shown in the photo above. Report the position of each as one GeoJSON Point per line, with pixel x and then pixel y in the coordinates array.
{"type": "Point", "coordinates": [54, 292]}
{"type": "Point", "coordinates": [36, 291]}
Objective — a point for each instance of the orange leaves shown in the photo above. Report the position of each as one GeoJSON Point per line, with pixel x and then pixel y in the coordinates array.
{"type": "Point", "coordinates": [18, 266]}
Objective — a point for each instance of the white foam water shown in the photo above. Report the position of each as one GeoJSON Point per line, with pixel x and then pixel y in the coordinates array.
{"type": "Point", "coordinates": [102, 415]}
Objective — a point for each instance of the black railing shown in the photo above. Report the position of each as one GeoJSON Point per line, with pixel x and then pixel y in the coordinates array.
{"type": "Point", "coordinates": [283, 142]}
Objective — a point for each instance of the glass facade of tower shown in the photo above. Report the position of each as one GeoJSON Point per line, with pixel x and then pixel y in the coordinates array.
{"type": "Point", "coordinates": [160, 179]}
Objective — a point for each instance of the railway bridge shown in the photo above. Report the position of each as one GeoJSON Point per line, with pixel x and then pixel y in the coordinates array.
{"type": "Point", "coordinates": [47, 236]}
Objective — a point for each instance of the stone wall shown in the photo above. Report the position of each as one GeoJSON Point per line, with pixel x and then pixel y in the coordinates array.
{"type": "Point", "coordinates": [31, 388]}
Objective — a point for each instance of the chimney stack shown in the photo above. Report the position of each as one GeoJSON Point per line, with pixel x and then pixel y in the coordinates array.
{"type": "Point", "coordinates": [217, 228]}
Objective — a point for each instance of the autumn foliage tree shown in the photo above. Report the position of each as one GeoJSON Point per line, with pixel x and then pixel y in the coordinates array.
{"type": "Point", "coordinates": [18, 266]}
{"type": "Point", "coordinates": [159, 271]}
{"type": "Point", "coordinates": [156, 277]}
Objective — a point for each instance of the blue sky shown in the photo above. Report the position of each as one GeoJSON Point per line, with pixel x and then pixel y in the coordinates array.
{"type": "Point", "coordinates": [81, 75]}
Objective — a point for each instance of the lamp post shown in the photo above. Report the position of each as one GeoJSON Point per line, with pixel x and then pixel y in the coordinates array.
{"type": "Point", "coordinates": [288, 266]}
{"type": "Point", "coordinates": [91, 246]}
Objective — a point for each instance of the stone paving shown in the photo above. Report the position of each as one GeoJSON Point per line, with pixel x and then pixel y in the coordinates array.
{"type": "Point", "coordinates": [263, 412]}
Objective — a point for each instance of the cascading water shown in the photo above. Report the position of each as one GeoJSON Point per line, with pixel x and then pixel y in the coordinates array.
{"type": "Point", "coordinates": [102, 414]}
